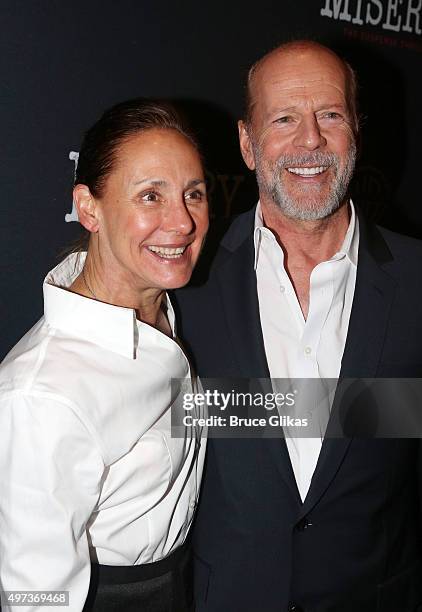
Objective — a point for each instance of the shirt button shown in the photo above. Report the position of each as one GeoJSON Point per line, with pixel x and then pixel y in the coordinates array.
{"type": "Point", "coordinates": [192, 504]}
{"type": "Point", "coordinates": [308, 350]}
{"type": "Point", "coordinates": [282, 288]}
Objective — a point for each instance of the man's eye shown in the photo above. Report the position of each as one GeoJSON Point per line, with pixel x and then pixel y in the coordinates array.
{"type": "Point", "coordinates": [285, 119]}
{"type": "Point", "coordinates": [331, 115]}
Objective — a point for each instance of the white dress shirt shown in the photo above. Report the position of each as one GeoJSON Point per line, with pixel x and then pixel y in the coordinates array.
{"type": "Point", "coordinates": [89, 470]}
{"type": "Point", "coordinates": [299, 348]}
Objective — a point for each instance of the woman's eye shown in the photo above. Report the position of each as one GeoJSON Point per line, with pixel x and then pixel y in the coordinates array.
{"type": "Point", "coordinates": [150, 196]}
{"type": "Point", "coordinates": [195, 195]}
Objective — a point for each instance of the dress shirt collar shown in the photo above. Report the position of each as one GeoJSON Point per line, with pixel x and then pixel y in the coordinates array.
{"type": "Point", "coordinates": [112, 327]}
{"type": "Point", "coordinates": [349, 247]}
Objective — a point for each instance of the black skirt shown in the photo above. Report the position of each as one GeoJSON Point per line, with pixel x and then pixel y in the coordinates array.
{"type": "Point", "coordinates": [163, 586]}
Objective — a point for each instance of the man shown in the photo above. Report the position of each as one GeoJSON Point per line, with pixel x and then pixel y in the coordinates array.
{"type": "Point", "coordinates": [303, 287]}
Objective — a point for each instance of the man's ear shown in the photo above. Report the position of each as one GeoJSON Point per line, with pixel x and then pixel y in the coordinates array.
{"type": "Point", "coordinates": [246, 145]}
{"type": "Point", "coordinates": [87, 207]}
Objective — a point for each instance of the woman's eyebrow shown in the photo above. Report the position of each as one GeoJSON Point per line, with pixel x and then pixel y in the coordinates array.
{"type": "Point", "coordinates": [195, 182]}
{"type": "Point", "coordinates": [154, 182]}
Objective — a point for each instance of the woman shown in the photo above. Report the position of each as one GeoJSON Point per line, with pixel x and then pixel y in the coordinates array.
{"type": "Point", "coordinates": [96, 496]}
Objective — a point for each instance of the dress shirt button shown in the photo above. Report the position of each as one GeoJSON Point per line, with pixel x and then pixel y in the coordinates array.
{"type": "Point", "coordinates": [192, 504]}
{"type": "Point", "coordinates": [303, 524]}
{"type": "Point", "coordinates": [295, 608]}
{"type": "Point", "coordinates": [308, 350]}
{"type": "Point", "coordinates": [282, 288]}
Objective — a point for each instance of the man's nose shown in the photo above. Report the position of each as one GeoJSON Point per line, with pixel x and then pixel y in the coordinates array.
{"type": "Point", "coordinates": [308, 135]}
{"type": "Point", "coordinates": [179, 219]}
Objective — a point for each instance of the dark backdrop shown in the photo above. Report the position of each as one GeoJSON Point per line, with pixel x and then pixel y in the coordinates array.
{"type": "Point", "coordinates": [64, 62]}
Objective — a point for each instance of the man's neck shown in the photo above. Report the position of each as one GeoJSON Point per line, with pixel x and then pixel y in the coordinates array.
{"type": "Point", "coordinates": [306, 243]}
{"type": "Point", "coordinates": [310, 241]}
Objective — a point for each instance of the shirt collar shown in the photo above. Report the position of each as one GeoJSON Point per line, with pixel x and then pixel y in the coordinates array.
{"type": "Point", "coordinates": [349, 247]}
{"type": "Point", "coordinates": [112, 327]}
{"type": "Point", "coordinates": [259, 229]}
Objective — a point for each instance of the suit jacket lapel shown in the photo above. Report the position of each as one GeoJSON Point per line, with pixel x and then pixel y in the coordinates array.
{"type": "Point", "coordinates": [374, 293]}
{"type": "Point", "coordinates": [237, 283]}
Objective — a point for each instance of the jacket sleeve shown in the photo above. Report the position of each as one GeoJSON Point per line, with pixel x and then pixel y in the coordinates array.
{"type": "Point", "coordinates": [50, 477]}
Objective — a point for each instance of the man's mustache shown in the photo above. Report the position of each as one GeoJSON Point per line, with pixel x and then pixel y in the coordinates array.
{"type": "Point", "coordinates": [316, 158]}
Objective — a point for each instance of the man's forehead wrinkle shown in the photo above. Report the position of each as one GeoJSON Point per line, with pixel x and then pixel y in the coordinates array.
{"type": "Point", "coordinates": [288, 94]}
{"type": "Point", "coordinates": [302, 86]}
{"type": "Point", "coordinates": [297, 84]}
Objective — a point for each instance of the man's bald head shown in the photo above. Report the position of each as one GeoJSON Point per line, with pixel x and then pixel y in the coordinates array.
{"type": "Point", "coordinates": [297, 47]}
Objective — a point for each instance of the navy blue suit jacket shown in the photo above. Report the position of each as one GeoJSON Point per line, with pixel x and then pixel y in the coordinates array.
{"type": "Point", "coordinates": [355, 543]}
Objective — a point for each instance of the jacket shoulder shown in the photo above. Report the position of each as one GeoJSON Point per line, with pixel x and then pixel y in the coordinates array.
{"type": "Point", "coordinates": [223, 239]}
{"type": "Point", "coordinates": [401, 246]}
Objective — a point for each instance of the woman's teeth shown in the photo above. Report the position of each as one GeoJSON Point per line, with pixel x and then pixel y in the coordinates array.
{"type": "Point", "coordinates": [307, 171]}
{"type": "Point", "coordinates": [167, 252]}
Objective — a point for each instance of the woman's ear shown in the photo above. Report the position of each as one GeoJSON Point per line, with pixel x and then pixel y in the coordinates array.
{"type": "Point", "coordinates": [87, 207]}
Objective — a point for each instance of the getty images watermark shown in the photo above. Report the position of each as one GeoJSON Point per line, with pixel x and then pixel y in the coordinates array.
{"type": "Point", "coordinates": [252, 407]}
{"type": "Point", "coordinates": [221, 401]}
{"type": "Point", "coordinates": [298, 408]}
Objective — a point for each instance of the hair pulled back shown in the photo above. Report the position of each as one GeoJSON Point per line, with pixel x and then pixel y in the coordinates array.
{"type": "Point", "coordinates": [101, 142]}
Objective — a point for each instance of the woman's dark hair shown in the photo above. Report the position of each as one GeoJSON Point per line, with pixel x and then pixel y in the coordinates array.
{"type": "Point", "coordinates": [100, 146]}
{"type": "Point", "coordinates": [101, 142]}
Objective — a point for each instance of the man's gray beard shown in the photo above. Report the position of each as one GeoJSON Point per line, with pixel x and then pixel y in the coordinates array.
{"type": "Point", "coordinates": [314, 209]}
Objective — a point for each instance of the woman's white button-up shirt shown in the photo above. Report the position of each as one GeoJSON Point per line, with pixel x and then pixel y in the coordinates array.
{"type": "Point", "coordinates": [89, 470]}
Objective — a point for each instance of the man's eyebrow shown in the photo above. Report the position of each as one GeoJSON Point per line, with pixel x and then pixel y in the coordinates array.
{"type": "Point", "coordinates": [319, 106]}
{"type": "Point", "coordinates": [286, 109]}
{"type": "Point", "coordinates": [339, 105]}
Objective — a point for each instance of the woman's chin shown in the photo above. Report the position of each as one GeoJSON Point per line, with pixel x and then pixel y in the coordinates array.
{"type": "Point", "coordinates": [177, 283]}
{"type": "Point", "coordinates": [171, 273]}
{"type": "Point", "coordinates": [167, 282]}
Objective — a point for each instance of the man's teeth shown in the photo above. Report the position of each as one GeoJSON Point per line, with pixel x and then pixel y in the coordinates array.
{"type": "Point", "coordinates": [167, 252]}
{"type": "Point", "coordinates": [307, 171]}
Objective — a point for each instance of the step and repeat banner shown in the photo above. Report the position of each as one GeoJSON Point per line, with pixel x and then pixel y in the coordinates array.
{"type": "Point", "coordinates": [63, 63]}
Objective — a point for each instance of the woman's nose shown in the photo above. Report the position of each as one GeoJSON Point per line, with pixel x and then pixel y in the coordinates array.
{"type": "Point", "coordinates": [179, 219]}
